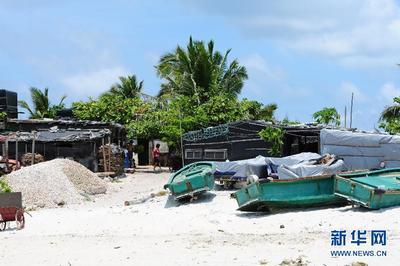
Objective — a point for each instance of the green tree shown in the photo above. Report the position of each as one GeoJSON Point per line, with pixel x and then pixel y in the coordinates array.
{"type": "Point", "coordinates": [390, 117]}
{"type": "Point", "coordinates": [274, 136]}
{"type": "Point", "coordinates": [268, 112]}
{"type": "Point", "coordinates": [140, 118]}
{"type": "Point", "coordinates": [128, 87]}
{"type": "Point", "coordinates": [200, 72]}
{"type": "Point", "coordinates": [327, 116]}
{"type": "Point", "coordinates": [286, 121]}
{"type": "Point", "coordinates": [255, 110]}
{"type": "Point", "coordinates": [42, 108]}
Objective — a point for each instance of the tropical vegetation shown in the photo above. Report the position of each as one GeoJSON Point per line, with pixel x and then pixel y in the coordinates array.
{"type": "Point", "coordinates": [200, 72]}
{"type": "Point", "coordinates": [390, 117]}
{"type": "Point", "coordinates": [128, 87]}
{"type": "Point", "coordinates": [327, 116]}
{"type": "Point", "coordinates": [42, 108]}
{"type": "Point", "coordinates": [4, 187]}
{"type": "Point", "coordinates": [274, 137]}
{"type": "Point", "coordinates": [200, 89]}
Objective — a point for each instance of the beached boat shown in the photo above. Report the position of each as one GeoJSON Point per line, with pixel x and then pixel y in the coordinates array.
{"type": "Point", "coordinates": [373, 189]}
{"type": "Point", "coordinates": [290, 193]}
{"type": "Point", "coordinates": [191, 180]}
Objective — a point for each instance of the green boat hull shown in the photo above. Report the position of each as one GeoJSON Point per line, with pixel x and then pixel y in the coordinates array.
{"type": "Point", "coordinates": [294, 193]}
{"type": "Point", "coordinates": [191, 180]}
{"type": "Point", "coordinates": [373, 189]}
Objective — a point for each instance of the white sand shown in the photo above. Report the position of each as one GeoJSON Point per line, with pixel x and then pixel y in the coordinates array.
{"type": "Point", "coordinates": [209, 231]}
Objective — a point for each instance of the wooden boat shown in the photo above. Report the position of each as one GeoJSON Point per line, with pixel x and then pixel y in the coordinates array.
{"type": "Point", "coordinates": [372, 189]}
{"type": "Point", "coordinates": [301, 192]}
{"type": "Point", "coordinates": [191, 180]}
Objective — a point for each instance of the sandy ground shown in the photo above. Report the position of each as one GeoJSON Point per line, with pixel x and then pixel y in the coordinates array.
{"type": "Point", "coordinates": [209, 231]}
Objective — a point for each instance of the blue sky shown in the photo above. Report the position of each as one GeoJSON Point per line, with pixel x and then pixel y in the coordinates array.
{"type": "Point", "coordinates": [302, 55]}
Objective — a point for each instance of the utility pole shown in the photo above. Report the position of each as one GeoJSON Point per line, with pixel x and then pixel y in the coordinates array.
{"type": "Point", "coordinates": [345, 116]}
{"type": "Point", "coordinates": [180, 129]}
{"type": "Point", "coordinates": [351, 110]}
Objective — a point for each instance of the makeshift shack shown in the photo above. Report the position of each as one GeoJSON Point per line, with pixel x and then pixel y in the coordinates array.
{"type": "Point", "coordinates": [117, 131]}
{"type": "Point", "coordinates": [362, 150]}
{"type": "Point", "coordinates": [77, 144]}
{"type": "Point", "coordinates": [60, 138]}
{"type": "Point", "coordinates": [240, 140]}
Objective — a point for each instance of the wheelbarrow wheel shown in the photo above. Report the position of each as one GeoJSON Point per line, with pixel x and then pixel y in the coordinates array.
{"type": "Point", "coordinates": [2, 225]}
{"type": "Point", "coordinates": [20, 219]}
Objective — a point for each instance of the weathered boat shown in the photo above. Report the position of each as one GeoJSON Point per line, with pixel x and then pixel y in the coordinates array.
{"type": "Point", "coordinates": [265, 195]}
{"type": "Point", "coordinates": [191, 180]}
{"type": "Point", "coordinates": [372, 189]}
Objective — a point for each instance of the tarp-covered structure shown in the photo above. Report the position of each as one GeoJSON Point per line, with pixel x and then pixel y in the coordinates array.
{"type": "Point", "coordinates": [361, 150]}
{"type": "Point", "coordinates": [289, 167]}
{"type": "Point", "coordinates": [240, 140]}
{"type": "Point", "coordinates": [77, 140]}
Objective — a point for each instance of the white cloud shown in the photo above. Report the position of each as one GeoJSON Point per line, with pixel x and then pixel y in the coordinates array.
{"type": "Point", "coordinates": [92, 83]}
{"type": "Point", "coordinates": [388, 91]}
{"type": "Point", "coordinates": [347, 31]}
{"type": "Point", "coordinates": [346, 89]}
{"type": "Point", "coordinates": [256, 64]}
{"type": "Point", "coordinates": [269, 80]}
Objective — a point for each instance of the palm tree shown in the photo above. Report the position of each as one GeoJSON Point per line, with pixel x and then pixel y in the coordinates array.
{"type": "Point", "coordinates": [327, 116]}
{"type": "Point", "coordinates": [41, 104]}
{"type": "Point", "coordinates": [390, 117]}
{"type": "Point", "coordinates": [391, 112]}
{"type": "Point", "coordinates": [200, 71]}
{"type": "Point", "coordinates": [129, 87]}
{"type": "Point", "coordinates": [268, 112]}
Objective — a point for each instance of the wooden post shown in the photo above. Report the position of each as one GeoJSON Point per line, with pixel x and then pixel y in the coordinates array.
{"type": "Point", "coordinates": [6, 151]}
{"type": "Point", "coordinates": [109, 153]}
{"type": "Point", "coordinates": [351, 110]}
{"type": "Point", "coordinates": [16, 149]}
{"type": "Point", "coordinates": [33, 147]}
{"type": "Point", "coordinates": [104, 156]}
{"type": "Point", "coordinates": [95, 157]}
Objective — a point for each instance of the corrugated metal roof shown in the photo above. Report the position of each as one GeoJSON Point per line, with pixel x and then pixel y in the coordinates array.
{"type": "Point", "coordinates": [59, 135]}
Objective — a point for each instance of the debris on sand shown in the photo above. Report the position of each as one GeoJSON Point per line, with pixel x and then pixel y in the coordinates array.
{"type": "Point", "coordinates": [359, 263]}
{"type": "Point", "coordinates": [146, 198]}
{"type": "Point", "coordinates": [55, 183]}
{"type": "Point", "coordinates": [27, 159]}
{"type": "Point", "coordinates": [300, 261]}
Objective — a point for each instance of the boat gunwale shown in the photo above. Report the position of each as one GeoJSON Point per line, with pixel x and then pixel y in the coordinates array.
{"type": "Point", "coordinates": [387, 191]}
{"type": "Point", "coordinates": [300, 179]}
{"type": "Point", "coordinates": [171, 182]}
{"type": "Point", "coordinates": [353, 200]}
{"type": "Point", "coordinates": [368, 172]}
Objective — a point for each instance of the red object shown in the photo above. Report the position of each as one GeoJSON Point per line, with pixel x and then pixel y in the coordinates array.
{"type": "Point", "coordinates": [156, 153]}
{"type": "Point", "coordinates": [10, 214]}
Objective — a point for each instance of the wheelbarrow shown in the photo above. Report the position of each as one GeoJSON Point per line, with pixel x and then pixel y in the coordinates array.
{"type": "Point", "coordinates": [11, 210]}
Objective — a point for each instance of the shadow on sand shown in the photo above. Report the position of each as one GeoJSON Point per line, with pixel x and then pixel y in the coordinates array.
{"type": "Point", "coordinates": [150, 169]}
{"type": "Point", "coordinates": [362, 209]}
{"type": "Point", "coordinates": [201, 198]}
{"type": "Point", "coordinates": [271, 211]}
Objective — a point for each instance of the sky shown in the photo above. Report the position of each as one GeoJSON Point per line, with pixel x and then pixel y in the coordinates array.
{"type": "Point", "coordinates": [302, 55]}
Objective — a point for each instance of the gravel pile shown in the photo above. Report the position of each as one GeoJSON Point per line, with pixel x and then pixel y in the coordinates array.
{"type": "Point", "coordinates": [54, 183]}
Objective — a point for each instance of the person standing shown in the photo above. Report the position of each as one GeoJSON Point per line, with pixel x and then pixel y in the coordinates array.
{"type": "Point", "coordinates": [156, 157]}
{"type": "Point", "coordinates": [130, 155]}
